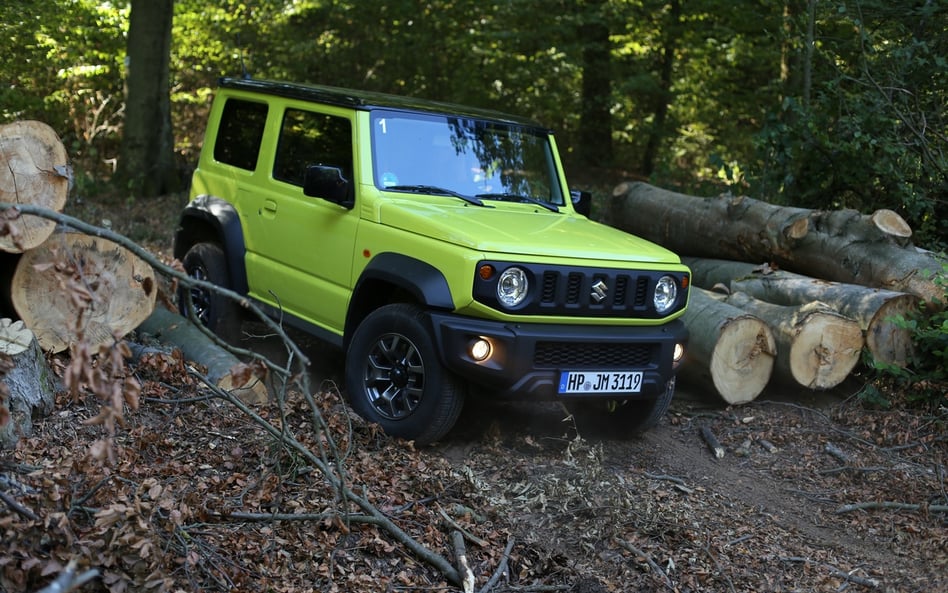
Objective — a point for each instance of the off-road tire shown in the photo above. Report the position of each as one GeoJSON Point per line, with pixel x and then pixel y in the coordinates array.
{"type": "Point", "coordinates": [220, 314]}
{"type": "Point", "coordinates": [620, 419]}
{"type": "Point", "coordinates": [394, 376]}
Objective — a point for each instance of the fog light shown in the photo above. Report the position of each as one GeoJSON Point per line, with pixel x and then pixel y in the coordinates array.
{"type": "Point", "coordinates": [679, 352]}
{"type": "Point", "coordinates": [480, 349]}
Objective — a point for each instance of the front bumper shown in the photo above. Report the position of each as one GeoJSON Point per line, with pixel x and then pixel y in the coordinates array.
{"type": "Point", "coordinates": [527, 359]}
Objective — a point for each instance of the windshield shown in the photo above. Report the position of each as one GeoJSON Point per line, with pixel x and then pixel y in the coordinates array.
{"type": "Point", "coordinates": [472, 157]}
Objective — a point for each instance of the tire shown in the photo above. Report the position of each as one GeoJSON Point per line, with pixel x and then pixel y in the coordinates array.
{"type": "Point", "coordinates": [221, 315]}
{"type": "Point", "coordinates": [622, 418]}
{"type": "Point", "coordinates": [394, 376]}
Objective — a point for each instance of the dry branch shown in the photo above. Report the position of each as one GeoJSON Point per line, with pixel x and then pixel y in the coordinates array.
{"type": "Point", "coordinates": [712, 442]}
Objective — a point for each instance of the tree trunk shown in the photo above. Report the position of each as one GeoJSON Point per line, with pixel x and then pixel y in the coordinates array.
{"type": "Point", "coordinates": [76, 285]}
{"type": "Point", "coordinates": [735, 348]}
{"type": "Point", "coordinates": [841, 245]}
{"type": "Point", "coordinates": [816, 346]}
{"type": "Point", "coordinates": [28, 381]}
{"type": "Point", "coordinates": [595, 129]}
{"type": "Point", "coordinates": [33, 170]}
{"type": "Point", "coordinates": [874, 309]}
{"type": "Point", "coordinates": [174, 330]}
{"type": "Point", "coordinates": [147, 157]}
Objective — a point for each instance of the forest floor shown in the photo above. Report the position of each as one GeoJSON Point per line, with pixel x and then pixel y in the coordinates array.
{"type": "Point", "coordinates": [849, 497]}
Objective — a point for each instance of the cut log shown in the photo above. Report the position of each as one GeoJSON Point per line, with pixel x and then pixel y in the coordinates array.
{"type": "Point", "coordinates": [33, 170]}
{"type": "Point", "coordinates": [75, 284]}
{"type": "Point", "coordinates": [28, 380]}
{"type": "Point", "coordinates": [816, 346]}
{"type": "Point", "coordinates": [174, 330]}
{"type": "Point", "coordinates": [735, 348]}
{"type": "Point", "coordinates": [875, 309]}
{"type": "Point", "coordinates": [840, 245]}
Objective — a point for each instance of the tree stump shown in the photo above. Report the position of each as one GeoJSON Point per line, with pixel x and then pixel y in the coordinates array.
{"type": "Point", "coordinates": [28, 380]}
{"type": "Point", "coordinates": [735, 348]}
{"type": "Point", "coordinates": [33, 170]}
{"type": "Point", "coordinates": [76, 285]}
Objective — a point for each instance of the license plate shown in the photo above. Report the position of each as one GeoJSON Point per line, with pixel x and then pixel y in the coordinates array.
{"type": "Point", "coordinates": [600, 382]}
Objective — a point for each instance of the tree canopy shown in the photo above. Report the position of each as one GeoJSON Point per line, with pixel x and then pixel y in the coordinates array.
{"type": "Point", "coordinates": [818, 104]}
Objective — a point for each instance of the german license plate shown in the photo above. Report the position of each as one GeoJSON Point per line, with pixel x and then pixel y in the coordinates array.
{"type": "Point", "coordinates": [600, 382]}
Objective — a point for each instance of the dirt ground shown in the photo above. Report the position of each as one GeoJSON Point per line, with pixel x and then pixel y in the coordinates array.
{"type": "Point", "coordinates": [814, 492]}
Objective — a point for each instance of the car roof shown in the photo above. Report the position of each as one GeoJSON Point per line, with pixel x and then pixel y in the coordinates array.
{"type": "Point", "coordinates": [367, 100]}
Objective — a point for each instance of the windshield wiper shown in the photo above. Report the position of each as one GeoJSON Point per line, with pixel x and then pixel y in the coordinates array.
{"type": "Point", "coordinates": [434, 189]}
{"type": "Point", "coordinates": [518, 198]}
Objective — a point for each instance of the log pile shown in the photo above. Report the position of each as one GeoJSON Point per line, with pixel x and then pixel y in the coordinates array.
{"type": "Point", "coordinates": [828, 285]}
{"type": "Point", "coordinates": [65, 287]}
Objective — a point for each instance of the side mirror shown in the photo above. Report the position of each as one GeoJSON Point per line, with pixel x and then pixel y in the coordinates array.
{"type": "Point", "coordinates": [582, 201]}
{"type": "Point", "coordinates": [327, 182]}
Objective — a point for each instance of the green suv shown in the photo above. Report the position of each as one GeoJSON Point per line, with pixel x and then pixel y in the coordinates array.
{"type": "Point", "coordinates": [438, 246]}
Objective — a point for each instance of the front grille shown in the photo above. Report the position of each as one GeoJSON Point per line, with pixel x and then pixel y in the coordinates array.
{"type": "Point", "coordinates": [592, 355]}
{"type": "Point", "coordinates": [579, 291]}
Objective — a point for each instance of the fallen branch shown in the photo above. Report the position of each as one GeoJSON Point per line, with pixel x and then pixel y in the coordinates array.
{"type": "Point", "coordinates": [712, 442]}
{"type": "Point", "coordinates": [457, 527]}
{"type": "Point", "coordinates": [264, 517]}
{"type": "Point", "coordinates": [464, 568]}
{"type": "Point", "coordinates": [837, 452]}
{"type": "Point", "coordinates": [414, 546]}
{"type": "Point", "coordinates": [648, 559]}
{"type": "Point", "coordinates": [68, 580]}
{"type": "Point", "coordinates": [898, 506]}
{"type": "Point", "coordinates": [16, 506]}
{"type": "Point", "coordinates": [501, 568]}
{"type": "Point", "coordinates": [864, 581]}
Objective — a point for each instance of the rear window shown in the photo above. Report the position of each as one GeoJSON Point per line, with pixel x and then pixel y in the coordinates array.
{"type": "Point", "coordinates": [240, 132]}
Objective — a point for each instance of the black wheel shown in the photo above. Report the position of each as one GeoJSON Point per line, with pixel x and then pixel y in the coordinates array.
{"type": "Point", "coordinates": [394, 376]}
{"type": "Point", "coordinates": [205, 261]}
{"type": "Point", "coordinates": [622, 418]}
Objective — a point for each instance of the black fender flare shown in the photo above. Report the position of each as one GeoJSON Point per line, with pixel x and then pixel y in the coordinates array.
{"type": "Point", "coordinates": [209, 218]}
{"type": "Point", "coordinates": [424, 282]}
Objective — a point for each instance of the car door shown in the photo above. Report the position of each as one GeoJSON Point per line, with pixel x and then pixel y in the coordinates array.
{"type": "Point", "coordinates": [302, 255]}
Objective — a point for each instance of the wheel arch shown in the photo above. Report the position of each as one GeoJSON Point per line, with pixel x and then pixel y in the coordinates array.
{"type": "Point", "coordinates": [393, 277]}
{"type": "Point", "coordinates": [208, 218]}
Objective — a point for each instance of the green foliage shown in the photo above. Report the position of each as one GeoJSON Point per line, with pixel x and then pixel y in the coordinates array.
{"type": "Point", "coordinates": [872, 131]}
{"type": "Point", "coordinates": [925, 380]}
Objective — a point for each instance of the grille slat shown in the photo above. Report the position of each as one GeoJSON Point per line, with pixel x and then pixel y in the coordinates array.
{"type": "Point", "coordinates": [586, 355]}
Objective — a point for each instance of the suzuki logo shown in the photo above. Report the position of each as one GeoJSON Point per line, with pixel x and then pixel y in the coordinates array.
{"type": "Point", "coordinates": [599, 290]}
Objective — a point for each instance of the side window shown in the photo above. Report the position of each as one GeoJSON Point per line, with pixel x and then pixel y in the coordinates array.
{"type": "Point", "coordinates": [240, 132]}
{"type": "Point", "coordinates": [308, 138]}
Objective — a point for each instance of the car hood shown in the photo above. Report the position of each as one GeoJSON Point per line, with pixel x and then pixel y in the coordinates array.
{"type": "Point", "coordinates": [521, 229]}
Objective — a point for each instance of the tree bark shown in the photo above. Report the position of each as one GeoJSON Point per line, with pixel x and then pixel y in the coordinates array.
{"type": "Point", "coordinates": [33, 170]}
{"type": "Point", "coordinates": [874, 309]}
{"type": "Point", "coordinates": [816, 346]}
{"type": "Point", "coordinates": [840, 245]}
{"type": "Point", "coordinates": [174, 330]}
{"type": "Point", "coordinates": [76, 285]}
{"type": "Point", "coordinates": [735, 348]}
{"type": "Point", "coordinates": [29, 382]}
{"type": "Point", "coordinates": [147, 155]}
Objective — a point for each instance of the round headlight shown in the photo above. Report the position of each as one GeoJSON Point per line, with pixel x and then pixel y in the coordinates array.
{"type": "Point", "coordinates": [512, 287]}
{"type": "Point", "coordinates": [666, 291]}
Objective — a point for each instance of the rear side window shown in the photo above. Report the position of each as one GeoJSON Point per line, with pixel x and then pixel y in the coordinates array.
{"type": "Point", "coordinates": [309, 138]}
{"type": "Point", "coordinates": [240, 132]}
